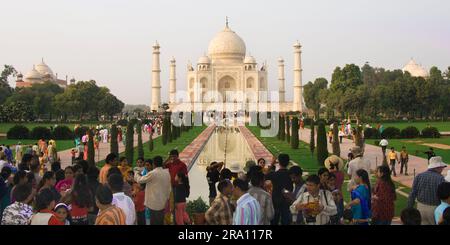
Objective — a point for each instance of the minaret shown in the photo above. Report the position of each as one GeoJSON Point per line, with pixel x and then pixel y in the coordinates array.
{"type": "Point", "coordinates": [281, 88]}
{"type": "Point", "coordinates": [156, 79]}
{"type": "Point", "coordinates": [172, 81]}
{"type": "Point", "coordinates": [297, 103]}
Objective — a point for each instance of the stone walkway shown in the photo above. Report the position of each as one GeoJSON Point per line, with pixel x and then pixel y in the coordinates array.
{"type": "Point", "coordinates": [258, 149]}
{"type": "Point", "coordinates": [190, 152]}
{"type": "Point", "coordinates": [102, 152]}
{"type": "Point", "coordinates": [416, 165]}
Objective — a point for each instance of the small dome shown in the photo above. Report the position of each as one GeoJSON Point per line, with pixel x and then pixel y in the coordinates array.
{"type": "Point", "coordinates": [33, 74]}
{"type": "Point", "coordinates": [249, 60]}
{"type": "Point", "coordinates": [204, 60]}
{"type": "Point", "coordinates": [415, 69]}
{"type": "Point", "coordinates": [44, 69]}
{"type": "Point", "coordinates": [227, 45]}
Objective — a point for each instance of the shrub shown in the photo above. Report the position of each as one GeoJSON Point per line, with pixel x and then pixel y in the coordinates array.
{"type": "Point", "coordinates": [410, 132]}
{"type": "Point", "coordinates": [140, 146]}
{"type": "Point", "coordinates": [294, 137]}
{"type": "Point", "coordinates": [430, 132]}
{"type": "Point", "coordinates": [282, 133]}
{"type": "Point", "coordinates": [391, 133]}
{"type": "Point", "coordinates": [312, 139]}
{"type": "Point", "coordinates": [288, 129]}
{"type": "Point", "coordinates": [322, 150]}
{"type": "Point", "coordinates": [91, 150]}
{"type": "Point", "coordinates": [62, 133]}
{"type": "Point", "coordinates": [371, 133]}
{"type": "Point", "coordinates": [40, 133]}
{"type": "Point", "coordinates": [307, 121]}
{"type": "Point", "coordinates": [114, 146]}
{"type": "Point", "coordinates": [129, 148]}
{"type": "Point", "coordinates": [80, 131]}
{"type": "Point", "coordinates": [122, 122]}
{"type": "Point", "coordinates": [19, 132]}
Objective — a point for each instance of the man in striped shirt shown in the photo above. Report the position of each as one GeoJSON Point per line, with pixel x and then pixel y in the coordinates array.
{"type": "Point", "coordinates": [109, 214]}
{"type": "Point", "coordinates": [248, 210]}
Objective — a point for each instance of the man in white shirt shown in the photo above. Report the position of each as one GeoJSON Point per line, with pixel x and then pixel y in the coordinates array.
{"type": "Point", "coordinates": [157, 190]}
{"type": "Point", "coordinates": [316, 205]}
{"type": "Point", "coordinates": [384, 143]}
{"type": "Point", "coordinates": [354, 165]}
{"type": "Point", "coordinates": [120, 200]}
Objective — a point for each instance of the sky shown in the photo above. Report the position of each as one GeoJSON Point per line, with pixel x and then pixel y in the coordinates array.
{"type": "Point", "coordinates": [111, 41]}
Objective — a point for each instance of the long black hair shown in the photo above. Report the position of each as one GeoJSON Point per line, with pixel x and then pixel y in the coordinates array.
{"type": "Point", "coordinates": [81, 193]}
{"type": "Point", "coordinates": [386, 176]}
{"type": "Point", "coordinates": [47, 175]}
{"type": "Point", "coordinates": [365, 178]}
{"type": "Point", "coordinates": [185, 181]}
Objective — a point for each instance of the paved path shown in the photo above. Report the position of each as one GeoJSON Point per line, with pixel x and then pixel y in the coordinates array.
{"type": "Point", "coordinates": [191, 152]}
{"type": "Point", "coordinates": [258, 149]}
{"type": "Point", "coordinates": [375, 156]}
{"type": "Point", "coordinates": [66, 157]}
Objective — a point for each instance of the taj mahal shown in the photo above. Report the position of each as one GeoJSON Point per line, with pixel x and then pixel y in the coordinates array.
{"type": "Point", "coordinates": [227, 76]}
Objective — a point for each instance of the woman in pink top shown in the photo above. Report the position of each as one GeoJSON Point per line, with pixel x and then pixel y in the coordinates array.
{"type": "Point", "coordinates": [67, 182]}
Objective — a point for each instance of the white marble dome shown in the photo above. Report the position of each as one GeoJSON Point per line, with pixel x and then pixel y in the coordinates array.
{"type": "Point", "coordinates": [415, 69]}
{"type": "Point", "coordinates": [33, 75]}
{"type": "Point", "coordinates": [249, 60]}
{"type": "Point", "coordinates": [204, 60]}
{"type": "Point", "coordinates": [44, 69]}
{"type": "Point", "coordinates": [227, 45]}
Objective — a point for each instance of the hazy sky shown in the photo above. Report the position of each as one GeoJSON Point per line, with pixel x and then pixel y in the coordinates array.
{"type": "Point", "coordinates": [111, 40]}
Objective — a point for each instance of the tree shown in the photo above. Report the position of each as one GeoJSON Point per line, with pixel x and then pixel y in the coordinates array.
{"type": "Point", "coordinates": [288, 129]}
{"type": "Point", "coordinates": [114, 146]}
{"type": "Point", "coordinates": [110, 105]}
{"type": "Point", "coordinates": [336, 146]}
{"type": "Point", "coordinates": [140, 145]}
{"type": "Point", "coordinates": [312, 139]}
{"type": "Point", "coordinates": [91, 150]}
{"type": "Point", "coordinates": [5, 89]}
{"type": "Point", "coordinates": [294, 138]}
{"type": "Point", "coordinates": [282, 130]}
{"type": "Point", "coordinates": [150, 141]}
{"type": "Point", "coordinates": [311, 94]}
{"type": "Point", "coordinates": [129, 148]}
{"type": "Point", "coordinates": [165, 130]}
{"type": "Point", "coordinates": [322, 150]}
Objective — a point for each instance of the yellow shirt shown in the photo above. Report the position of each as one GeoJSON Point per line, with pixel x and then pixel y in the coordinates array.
{"type": "Point", "coordinates": [392, 155]}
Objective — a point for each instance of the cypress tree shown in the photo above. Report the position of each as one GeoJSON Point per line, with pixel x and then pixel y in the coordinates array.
{"type": "Point", "coordinates": [288, 130]}
{"type": "Point", "coordinates": [322, 150]}
{"type": "Point", "coordinates": [282, 129]}
{"type": "Point", "coordinates": [336, 146]}
{"type": "Point", "coordinates": [169, 128]}
{"type": "Point", "coordinates": [140, 145]}
{"type": "Point", "coordinates": [150, 142]}
{"type": "Point", "coordinates": [294, 138]}
{"type": "Point", "coordinates": [114, 146]}
{"type": "Point", "coordinates": [129, 151]}
{"type": "Point", "coordinates": [312, 145]}
{"type": "Point", "coordinates": [91, 150]}
{"type": "Point", "coordinates": [164, 130]}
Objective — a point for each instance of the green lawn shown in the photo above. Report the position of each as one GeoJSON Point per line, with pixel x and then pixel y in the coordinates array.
{"type": "Point", "coordinates": [163, 150]}
{"type": "Point", "coordinates": [441, 126]}
{"type": "Point", "coordinates": [302, 156]}
{"type": "Point", "coordinates": [417, 149]}
{"type": "Point", "coordinates": [4, 127]}
{"type": "Point", "coordinates": [61, 144]}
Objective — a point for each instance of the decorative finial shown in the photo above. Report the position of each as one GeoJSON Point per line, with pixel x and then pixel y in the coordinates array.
{"type": "Point", "coordinates": [226, 21]}
{"type": "Point", "coordinates": [42, 59]}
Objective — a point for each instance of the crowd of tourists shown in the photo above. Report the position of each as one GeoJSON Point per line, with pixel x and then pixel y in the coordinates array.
{"type": "Point", "coordinates": [155, 192]}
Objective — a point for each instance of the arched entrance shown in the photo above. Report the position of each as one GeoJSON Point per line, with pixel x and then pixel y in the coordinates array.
{"type": "Point", "coordinates": [227, 83]}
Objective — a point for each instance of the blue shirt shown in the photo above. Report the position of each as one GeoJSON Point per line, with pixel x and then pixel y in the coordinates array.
{"type": "Point", "coordinates": [362, 210]}
{"type": "Point", "coordinates": [440, 210]}
{"type": "Point", "coordinates": [248, 211]}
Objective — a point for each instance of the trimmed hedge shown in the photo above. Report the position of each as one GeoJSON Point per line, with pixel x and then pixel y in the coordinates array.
{"type": "Point", "coordinates": [391, 133]}
{"type": "Point", "coordinates": [409, 132]}
{"type": "Point", "coordinates": [62, 133]}
{"type": "Point", "coordinates": [40, 133]}
{"type": "Point", "coordinates": [430, 132]}
{"type": "Point", "coordinates": [122, 122]}
{"type": "Point", "coordinates": [18, 132]}
{"type": "Point", "coordinates": [372, 133]}
{"type": "Point", "coordinates": [322, 150]}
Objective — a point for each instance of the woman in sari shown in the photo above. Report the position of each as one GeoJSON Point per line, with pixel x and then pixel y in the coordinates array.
{"type": "Point", "coordinates": [361, 199]}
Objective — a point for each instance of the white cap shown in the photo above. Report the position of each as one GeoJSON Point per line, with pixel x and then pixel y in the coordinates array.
{"type": "Point", "coordinates": [436, 162]}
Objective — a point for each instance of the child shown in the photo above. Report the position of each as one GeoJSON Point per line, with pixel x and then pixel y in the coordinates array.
{"type": "Point", "coordinates": [361, 199]}
{"type": "Point", "coordinates": [62, 213]}
{"type": "Point", "coordinates": [65, 184]}
{"type": "Point", "coordinates": [337, 197]}
{"type": "Point", "coordinates": [181, 193]}
{"type": "Point", "coordinates": [45, 202]}
{"type": "Point", "coordinates": [147, 166]}
{"type": "Point", "coordinates": [72, 153]}
{"type": "Point", "coordinates": [123, 167]}
{"type": "Point", "coordinates": [138, 199]}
